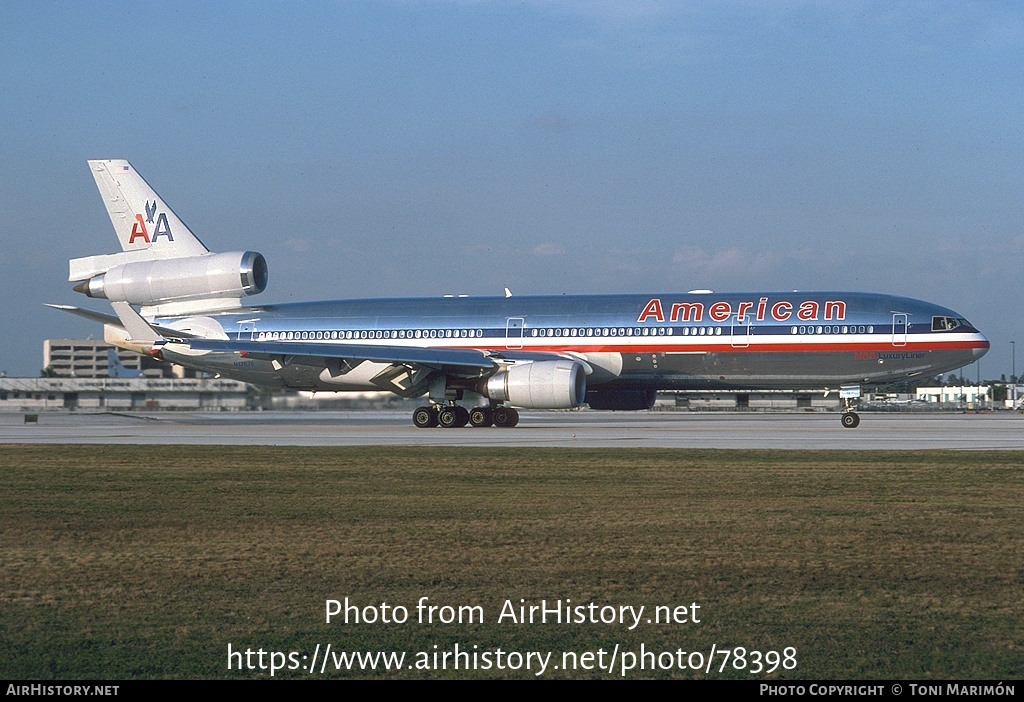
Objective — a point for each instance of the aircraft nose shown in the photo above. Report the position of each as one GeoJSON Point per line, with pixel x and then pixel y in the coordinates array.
{"type": "Point", "coordinates": [982, 346]}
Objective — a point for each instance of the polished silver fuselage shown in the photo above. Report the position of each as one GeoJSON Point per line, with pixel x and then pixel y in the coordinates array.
{"type": "Point", "coordinates": [673, 341]}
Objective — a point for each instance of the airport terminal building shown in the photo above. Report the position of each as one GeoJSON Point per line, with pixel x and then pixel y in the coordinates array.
{"type": "Point", "coordinates": [88, 358]}
{"type": "Point", "coordinates": [122, 394]}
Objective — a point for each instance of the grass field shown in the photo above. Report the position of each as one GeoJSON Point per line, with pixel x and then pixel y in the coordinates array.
{"type": "Point", "coordinates": [122, 562]}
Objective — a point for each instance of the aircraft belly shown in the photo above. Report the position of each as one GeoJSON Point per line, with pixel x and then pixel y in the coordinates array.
{"type": "Point", "coordinates": [780, 370]}
{"type": "Point", "coordinates": [744, 369]}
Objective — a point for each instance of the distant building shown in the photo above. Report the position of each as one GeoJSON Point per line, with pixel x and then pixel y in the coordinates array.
{"type": "Point", "coordinates": [121, 394]}
{"type": "Point", "coordinates": [951, 394]}
{"type": "Point", "coordinates": [754, 401]}
{"type": "Point", "coordinates": [86, 358]}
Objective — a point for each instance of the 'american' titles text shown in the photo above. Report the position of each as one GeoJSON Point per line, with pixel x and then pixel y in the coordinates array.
{"type": "Point", "coordinates": [781, 311]}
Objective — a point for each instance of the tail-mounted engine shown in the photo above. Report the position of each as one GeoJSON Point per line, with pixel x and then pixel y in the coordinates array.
{"type": "Point", "coordinates": [206, 277]}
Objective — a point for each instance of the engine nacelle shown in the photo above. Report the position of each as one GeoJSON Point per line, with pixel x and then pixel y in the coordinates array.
{"type": "Point", "coordinates": [210, 276]}
{"type": "Point", "coordinates": [540, 385]}
{"type": "Point", "coordinates": [621, 399]}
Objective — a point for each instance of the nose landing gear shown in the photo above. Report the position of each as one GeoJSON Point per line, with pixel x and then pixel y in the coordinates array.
{"type": "Point", "coordinates": [849, 395]}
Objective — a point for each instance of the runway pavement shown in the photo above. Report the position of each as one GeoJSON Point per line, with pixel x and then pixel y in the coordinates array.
{"type": "Point", "coordinates": [584, 429]}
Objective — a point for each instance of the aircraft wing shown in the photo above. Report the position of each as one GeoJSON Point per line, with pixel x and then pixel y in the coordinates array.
{"type": "Point", "coordinates": [452, 361]}
{"type": "Point", "coordinates": [519, 355]}
{"type": "Point", "coordinates": [465, 362]}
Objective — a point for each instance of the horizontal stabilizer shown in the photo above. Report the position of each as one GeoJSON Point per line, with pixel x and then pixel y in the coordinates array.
{"type": "Point", "coordinates": [115, 321]}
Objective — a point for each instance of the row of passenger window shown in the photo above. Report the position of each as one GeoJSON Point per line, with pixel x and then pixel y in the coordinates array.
{"type": "Point", "coordinates": [478, 333]}
{"type": "Point", "coordinates": [545, 332]}
{"type": "Point", "coordinates": [373, 334]}
{"type": "Point", "coordinates": [613, 331]}
{"type": "Point", "coordinates": [833, 329]}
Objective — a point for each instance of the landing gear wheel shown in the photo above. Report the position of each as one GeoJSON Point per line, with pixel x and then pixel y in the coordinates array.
{"type": "Point", "coordinates": [850, 419]}
{"type": "Point", "coordinates": [481, 417]}
{"type": "Point", "coordinates": [425, 417]}
{"type": "Point", "coordinates": [448, 417]}
{"type": "Point", "coordinates": [461, 416]}
{"type": "Point", "coordinates": [505, 417]}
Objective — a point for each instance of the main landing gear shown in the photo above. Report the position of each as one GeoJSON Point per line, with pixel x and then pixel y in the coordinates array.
{"type": "Point", "coordinates": [448, 416]}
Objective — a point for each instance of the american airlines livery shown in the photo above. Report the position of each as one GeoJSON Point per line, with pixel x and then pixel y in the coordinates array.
{"type": "Point", "coordinates": [479, 358]}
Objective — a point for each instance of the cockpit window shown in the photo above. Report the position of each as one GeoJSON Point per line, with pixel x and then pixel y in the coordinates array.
{"type": "Point", "coordinates": [945, 323]}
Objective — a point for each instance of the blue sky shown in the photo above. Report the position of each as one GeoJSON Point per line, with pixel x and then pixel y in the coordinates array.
{"type": "Point", "coordinates": [420, 148]}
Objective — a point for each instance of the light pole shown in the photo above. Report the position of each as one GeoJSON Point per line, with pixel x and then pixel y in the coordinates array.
{"type": "Point", "coordinates": [1013, 373]}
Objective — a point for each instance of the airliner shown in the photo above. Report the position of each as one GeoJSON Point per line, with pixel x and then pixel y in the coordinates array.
{"type": "Point", "coordinates": [479, 359]}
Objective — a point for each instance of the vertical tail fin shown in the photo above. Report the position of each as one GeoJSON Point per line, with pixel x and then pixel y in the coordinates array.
{"type": "Point", "coordinates": [142, 220]}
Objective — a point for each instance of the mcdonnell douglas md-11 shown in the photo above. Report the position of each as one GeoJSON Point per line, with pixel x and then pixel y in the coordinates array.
{"type": "Point", "coordinates": [477, 359]}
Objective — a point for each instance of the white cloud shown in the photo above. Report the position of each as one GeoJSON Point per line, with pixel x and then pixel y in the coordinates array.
{"type": "Point", "coordinates": [725, 261]}
{"type": "Point", "coordinates": [549, 248]}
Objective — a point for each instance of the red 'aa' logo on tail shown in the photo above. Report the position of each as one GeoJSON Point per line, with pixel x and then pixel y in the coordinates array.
{"type": "Point", "coordinates": [162, 228]}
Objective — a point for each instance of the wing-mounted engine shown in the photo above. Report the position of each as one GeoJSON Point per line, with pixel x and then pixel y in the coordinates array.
{"type": "Point", "coordinates": [558, 384]}
{"type": "Point", "coordinates": [175, 285]}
